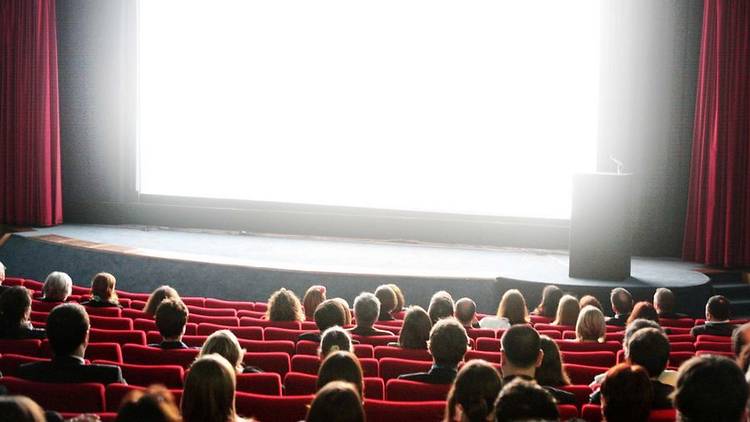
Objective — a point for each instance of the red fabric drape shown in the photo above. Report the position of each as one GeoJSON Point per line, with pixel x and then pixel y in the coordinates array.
{"type": "Point", "coordinates": [717, 230]}
{"type": "Point", "coordinates": [30, 180]}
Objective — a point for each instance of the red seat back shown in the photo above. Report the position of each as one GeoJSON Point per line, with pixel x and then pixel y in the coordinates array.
{"type": "Point", "coordinates": [28, 347]}
{"type": "Point", "coordinates": [555, 327]}
{"type": "Point", "coordinates": [662, 415]}
{"type": "Point", "coordinates": [711, 338]}
{"type": "Point", "coordinates": [677, 358]}
{"type": "Point", "coordinates": [195, 301]}
{"type": "Point", "coordinates": [116, 392]}
{"type": "Point", "coordinates": [383, 410]}
{"type": "Point", "coordinates": [488, 344]}
{"type": "Point", "coordinates": [583, 374]}
{"type": "Point", "coordinates": [275, 362]}
{"type": "Point", "coordinates": [110, 323]}
{"type": "Point", "coordinates": [226, 312]}
{"type": "Point", "coordinates": [567, 411]}
{"type": "Point", "coordinates": [681, 347]}
{"type": "Point", "coordinates": [229, 304]}
{"type": "Point", "coordinates": [82, 398]}
{"type": "Point", "coordinates": [680, 338]}
{"type": "Point", "coordinates": [553, 334]}
{"type": "Point", "coordinates": [135, 313]}
{"type": "Point", "coordinates": [588, 346]}
{"type": "Point", "coordinates": [589, 358]}
{"type": "Point", "coordinates": [400, 353]}
{"type": "Point", "coordinates": [261, 383]}
{"type": "Point", "coordinates": [713, 346]}
{"type": "Point", "coordinates": [257, 322]}
{"type": "Point", "coordinates": [493, 357]}
{"type": "Point", "coordinates": [94, 351]}
{"type": "Point", "coordinates": [403, 390]}
{"type": "Point", "coordinates": [297, 383]}
{"type": "Point", "coordinates": [306, 364]}
{"type": "Point", "coordinates": [112, 312]}
{"type": "Point", "coordinates": [147, 325]}
{"type": "Point", "coordinates": [251, 314]}
{"type": "Point", "coordinates": [375, 340]}
{"type": "Point", "coordinates": [679, 323]}
{"type": "Point", "coordinates": [10, 362]}
{"type": "Point", "coordinates": [98, 335]}
{"type": "Point", "coordinates": [391, 368]}
{"type": "Point", "coordinates": [272, 408]}
{"type": "Point", "coordinates": [591, 413]}
{"type": "Point", "coordinates": [41, 306]}
{"type": "Point", "coordinates": [276, 333]}
{"type": "Point", "coordinates": [283, 346]}
{"type": "Point", "coordinates": [249, 333]}
{"type": "Point", "coordinates": [582, 393]}
{"type": "Point", "coordinates": [170, 376]}
{"type": "Point", "coordinates": [229, 321]}
{"type": "Point", "coordinates": [144, 355]}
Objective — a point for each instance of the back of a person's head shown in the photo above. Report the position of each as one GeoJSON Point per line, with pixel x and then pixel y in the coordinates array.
{"type": "Point", "coordinates": [636, 325]}
{"type": "Point", "coordinates": [664, 300]}
{"type": "Point", "coordinates": [589, 300]}
{"type": "Point", "coordinates": [155, 404]}
{"type": "Point", "coordinates": [448, 342]}
{"type": "Point", "coordinates": [740, 338]}
{"type": "Point", "coordinates": [522, 400]}
{"type": "Point", "coordinates": [441, 306]}
{"type": "Point", "coordinates": [400, 299]}
{"type": "Point", "coordinates": [567, 311]}
{"type": "Point", "coordinates": [626, 394]}
{"type": "Point", "coordinates": [284, 305]}
{"type": "Point", "coordinates": [208, 395]}
{"type": "Point", "coordinates": [171, 317]}
{"type": "Point", "coordinates": [15, 305]}
{"type": "Point", "coordinates": [67, 328]}
{"type": "Point", "coordinates": [475, 389]}
{"type": "Point", "coordinates": [415, 331]}
{"type": "Point", "coordinates": [345, 309]}
{"type": "Point", "coordinates": [710, 388]}
{"type": "Point", "coordinates": [103, 287]}
{"type": "Point", "coordinates": [225, 344]}
{"type": "Point", "coordinates": [366, 309]}
{"type": "Point", "coordinates": [57, 286]}
{"type": "Point", "coordinates": [513, 307]}
{"type": "Point", "coordinates": [157, 296]}
{"type": "Point", "coordinates": [590, 325]}
{"type": "Point", "coordinates": [2, 272]}
{"type": "Point", "coordinates": [337, 401]}
{"type": "Point", "coordinates": [466, 310]}
{"type": "Point", "coordinates": [643, 310]}
{"type": "Point", "coordinates": [717, 308]}
{"type": "Point", "coordinates": [551, 296]}
{"type": "Point", "coordinates": [521, 346]}
{"type": "Point", "coordinates": [20, 409]}
{"type": "Point", "coordinates": [334, 339]}
{"type": "Point", "coordinates": [621, 300]}
{"type": "Point", "coordinates": [551, 372]}
{"type": "Point", "coordinates": [314, 296]}
{"type": "Point", "coordinates": [387, 298]}
{"type": "Point", "coordinates": [341, 366]}
{"type": "Point", "coordinates": [649, 348]}
{"type": "Point", "coordinates": [328, 314]}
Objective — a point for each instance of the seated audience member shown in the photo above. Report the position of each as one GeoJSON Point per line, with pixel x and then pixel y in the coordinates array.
{"type": "Point", "coordinates": [327, 315]}
{"type": "Point", "coordinates": [448, 345]}
{"type": "Point", "coordinates": [441, 306]}
{"type": "Point", "coordinates": [622, 304]}
{"type": "Point", "coordinates": [334, 339]}
{"type": "Point", "coordinates": [388, 302]}
{"type": "Point", "coordinates": [740, 337]}
{"type": "Point", "coordinates": [710, 388]}
{"type": "Point", "coordinates": [643, 310]}
{"type": "Point", "coordinates": [590, 325]}
{"type": "Point", "coordinates": [313, 297]}
{"type": "Point", "coordinates": [525, 400]}
{"type": "Point", "coordinates": [366, 311]}
{"type": "Point", "coordinates": [345, 309]}
{"type": "Point", "coordinates": [626, 394]}
{"type": "Point", "coordinates": [209, 390]}
{"type": "Point", "coordinates": [157, 297]}
{"type": "Point", "coordinates": [68, 333]}
{"type": "Point", "coordinates": [15, 310]}
{"type": "Point", "coordinates": [103, 294]}
{"type": "Point", "coordinates": [510, 311]}
{"type": "Point", "coordinates": [472, 396]}
{"type": "Point", "coordinates": [522, 354]}
{"type": "Point", "coordinates": [466, 313]}
{"type": "Point", "coordinates": [341, 366]}
{"type": "Point", "coordinates": [225, 344]}
{"type": "Point", "coordinates": [664, 302]}
{"type": "Point", "coordinates": [400, 300]}
{"type": "Point", "coordinates": [283, 305]}
{"type": "Point", "coordinates": [551, 296]}
{"type": "Point", "coordinates": [337, 401]}
{"type": "Point", "coordinates": [590, 300]}
{"type": "Point", "coordinates": [171, 318]}
{"type": "Point", "coordinates": [551, 372]}
{"type": "Point", "coordinates": [717, 318]}
{"type": "Point", "coordinates": [156, 403]}
{"type": "Point", "coordinates": [415, 332]}
{"type": "Point", "coordinates": [2, 278]}
{"type": "Point", "coordinates": [20, 409]}
{"type": "Point", "coordinates": [567, 311]}
{"type": "Point", "coordinates": [57, 287]}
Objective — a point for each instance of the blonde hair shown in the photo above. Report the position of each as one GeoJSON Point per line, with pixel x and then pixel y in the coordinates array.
{"type": "Point", "coordinates": [209, 390]}
{"type": "Point", "coordinates": [314, 296]}
{"type": "Point", "coordinates": [513, 307]}
{"type": "Point", "coordinates": [224, 343]}
{"type": "Point", "coordinates": [103, 287]}
{"type": "Point", "coordinates": [590, 325]}
{"type": "Point", "coordinates": [567, 311]}
{"type": "Point", "coordinates": [284, 305]}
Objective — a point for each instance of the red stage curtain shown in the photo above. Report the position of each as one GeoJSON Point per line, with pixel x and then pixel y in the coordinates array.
{"type": "Point", "coordinates": [30, 180]}
{"type": "Point", "coordinates": [717, 230]}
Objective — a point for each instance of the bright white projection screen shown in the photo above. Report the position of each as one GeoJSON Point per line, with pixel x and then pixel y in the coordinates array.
{"type": "Point", "coordinates": [467, 107]}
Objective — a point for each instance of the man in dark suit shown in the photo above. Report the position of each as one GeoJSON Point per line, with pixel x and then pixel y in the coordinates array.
{"type": "Point", "coordinates": [448, 344]}
{"type": "Point", "coordinates": [717, 318]}
{"type": "Point", "coordinates": [522, 354]}
{"type": "Point", "coordinates": [328, 314]}
{"type": "Point", "coordinates": [68, 333]}
{"type": "Point", "coordinates": [664, 302]}
{"type": "Point", "coordinates": [622, 304]}
{"type": "Point", "coordinates": [171, 318]}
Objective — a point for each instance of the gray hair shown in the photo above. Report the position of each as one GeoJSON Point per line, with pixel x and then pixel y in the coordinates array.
{"type": "Point", "coordinates": [366, 309]}
{"type": "Point", "coordinates": [57, 286]}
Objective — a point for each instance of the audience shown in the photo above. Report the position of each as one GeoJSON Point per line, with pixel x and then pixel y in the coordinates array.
{"type": "Point", "coordinates": [590, 300]}
{"type": "Point", "coordinates": [313, 297]}
{"type": "Point", "coordinates": [334, 339]}
{"type": "Point", "coordinates": [57, 287]}
{"type": "Point", "coordinates": [664, 302]}
{"type": "Point", "coordinates": [341, 366]}
{"type": "Point", "coordinates": [448, 344]}
{"type": "Point", "coordinates": [20, 409]}
{"type": "Point", "coordinates": [68, 333]}
{"type": "Point", "coordinates": [103, 294]}
{"type": "Point", "coordinates": [388, 302]}
{"type": "Point", "coordinates": [551, 371]}
{"type": "Point", "coordinates": [155, 404]}
{"type": "Point", "coordinates": [400, 300]}
{"type": "Point", "coordinates": [441, 306]}
{"type": "Point", "coordinates": [643, 310]}
{"type": "Point", "coordinates": [590, 325]}
{"type": "Point", "coordinates": [15, 311]}
{"type": "Point", "coordinates": [345, 309]}
{"type": "Point", "coordinates": [622, 304]}
{"type": "Point", "coordinates": [710, 388]}
{"type": "Point", "coordinates": [415, 331]}
{"type": "Point", "coordinates": [171, 318]}
{"type": "Point", "coordinates": [524, 400]}
{"type": "Point", "coordinates": [327, 315]}
{"type": "Point", "coordinates": [512, 310]}
{"type": "Point", "coordinates": [157, 296]}
{"type": "Point", "coordinates": [225, 344]}
{"type": "Point", "coordinates": [283, 305]}
{"type": "Point", "coordinates": [208, 395]}
{"type": "Point", "coordinates": [717, 318]}
{"type": "Point", "coordinates": [626, 394]}
{"type": "Point", "coordinates": [337, 401]}
{"type": "Point", "coordinates": [740, 337]}
{"type": "Point", "coordinates": [551, 296]}
{"type": "Point", "coordinates": [567, 311]}
{"type": "Point", "coordinates": [522, 354]}
{"type": "Point", "coordinates": [472, 396]}
{"type": "Point", "coordinates": [366, 311]}
{"type": "Point", "coordinates": [466, 313]}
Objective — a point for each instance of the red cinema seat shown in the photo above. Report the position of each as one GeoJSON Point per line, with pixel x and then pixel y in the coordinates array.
{"type": "Point", "coordinates": [305, 347]}
{"type": "Point", "coordinates": [395, 330]}
{"type": "Point", "coordinates": [212, 311]}
{"type": "Point", "coordinates": [383, 411]}
{"type": "Point", "coordinates": [41, 306]}
{"type": "Point", "coordinates": [272, 408]}
{"type": "Point", "coordinates": [135, 314]}
{"type": "Point", "coordinates": [663, 415]}
{"type": "Point", "coordinates": [82, 398]}
{"type": "Point", "coordinates": [591, 413]}
{"type": "Point", "coordinates": [249, 333]}
{"type": "Point", "coordinates": [13, 281]}
{"type": "Point", "coordinates": [28, 347]}
{"type": "Point", "coordinates": [132, 296]}
{"type": "Point", "coordinates": [539, 319]}
{"type": "Point", "coordinates": [391, 323]}
{"type": "Point", "coordinates": [94, 351]}
{"type": "Point", "coordinates": [116, 392]}
{"type": "Point", "coordinates": [678, 323]}
{"type": "Point", "coordinates": [195, 301]}
{"type": "Point", "coordinates": [555, 327]}
{"type": "Point", "coordinates": [567, 411]}
{"type": "Point", "coordinates": [229, 304]}
{"type": "Point", "coordinates": [305, 364]}
{"type": "Point", "coordinates": [111, 323]}
{"type": "Point", "coordinates": [251, 314]}
{"type": "Point", "coordinates": [713, 339]}
{"type": "Point", "coordinates": [582, 393]}
{"type": "Point", "coordinates": [403, 390]}
{"type": "Point", "coordinates": [113, 312]}
{"type": "Point", "coordinates": [103, 416]}
{"type": "Point", "coordinates": [553, 334]}
{"type": "Point", "coordinates": [308, 325]}
{"type": "Point", "coordinates": [147, 325]}
{"type": "Point", "coordinates": [260, 306]}
{"type": "Point", "coordinates": [170, 376]}
{"type": "Point", "coordinates": [364, 351]}
{"type": "Point", "coordinates": [298, 384]}
{"type": "Point", "coordinates": [589, 358]}
{"type": "Point", "coordinates": [144, 355]}
{"type": "Point", "coordinates": [98, 335]}
{"type": "Point", "coordinates": [400, 353]}
{"type": "Point", "coordinates": [283, 346]}
{"type": "Point", "coordinates": [492, 357]}
{"type": "Point", "coordinates": [391, 368]}
{"type": "Point", "coordinates": [37, 285]}
{"type": "Point", "coordinates": [713, 346]}
{"type": "Point", "coordinates": [275, 362]}
{"type": "Point", "coordinates": [375, 340]}
{"type": "Point", "coordinates": [678, 358]}
{"type": "Point", "coordinates": [257, 322]}
{"type": "Point", "coordinates": [488, 344]}
{"type": "Point", "coordinates": [588, 346]}
{"type": "Point", "coordinates": [583, 374]}
{"type": "Point", "coordinates": [681, 347]}
{"type": "Point", "coordinates": [10, 362]}
{"type": "Point", "coordinates": [153, 337]}
{"type": "Point", "coordinates": [275, 333]}
{"type": "Point", "coordinates": [229, 321]}
{"type": "Point", "coordinates": [268, 383]}
{"type": "Point", "coordinates": [137, 304]}
{"type": "Point", "coordinates": [680, 338]}
{"type": "Point", "coordinates": [730, 355]}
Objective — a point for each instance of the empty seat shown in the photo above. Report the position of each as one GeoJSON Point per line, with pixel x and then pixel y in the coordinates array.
{"type": "Point", "coordinates": [110, 323]}
{"type": "Point", "coordinates": [10, 362]}
{"type": "Point", "coordinates": [229, 304]}
{"type": "Point", "coordinates": [589, 358]}
{"type": "Point", "coordinates": [275, 362]}
{"type": "Point", "coordinates": [257, 322]}
{"type": "Point", "coordinates": [680, 338]}
{"type": "Point", "coordinates": [715, 339]}
{"type": "Point", "coordinates": [283, 346]}
{"type": "Point", "coordinates": [170, 376]}
{"type": "Point", "coordinates": [591, 412]}
{"type": "Point", "coordinates": [268, 383]}
{"type": "Point", "coordinates": [713, 346]}
{"type": "Point", "coordinates": [384, 410]}
{"type": "Point", "coordinates": [132, 296]}
{"type": "Point", "coordinates": [553, 334]}
{"type": "Point", "coordinates": [112, 312]}
{"type": "Point", "coordinates": [400, 353]}
{"type": "Point", "coordinates": [488, 344]}
{"type": "Point", "coordinates": [28, 347]}
{"type": "Point", "coordinates": [229, 321]}
{"type": "Point", "coordinates": [144, 355]}
{"type": "Point", "coordinates": [393, 367]}
{"type": "Point", "coordinates": [493, 357]}
{"type": "Point", "coordinates": [582, 393]}
{"type": "Point", "coordinates": [41, 306]}
{"type": "Point", "coordinates": [272, 408]}
{"type": "Point", "coordinates": [82, 398]}
{"type": "Point", "coordinates": [225, 312]}
{"type": "Point", "coordinates": [98, 335]}
{"type": "Point", "coordinates": [403, 390]}
{"type": "Point", "coordinates": [682, 347]}
{"type": "Point", "coordinates": [250, 333]}
{"type": "Point", "coordinates": [251, 314]}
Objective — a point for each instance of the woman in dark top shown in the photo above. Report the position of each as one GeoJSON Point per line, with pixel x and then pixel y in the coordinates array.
{"type": "Point", "coordinates": [551, 296]}
{"type": "Point", "coordinates": [103, 294]}
{"type": "Point", "coordinates": [15, 310]}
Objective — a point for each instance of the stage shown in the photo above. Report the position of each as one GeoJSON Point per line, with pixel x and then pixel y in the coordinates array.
{"type": "Point", "coordinates": [249, 266]}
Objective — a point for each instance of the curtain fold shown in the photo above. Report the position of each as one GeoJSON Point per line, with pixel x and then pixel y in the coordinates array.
{"type": "Point", "coordinates": [717, 230]}
{"type": "Point", "coordinates": [30, 176]}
